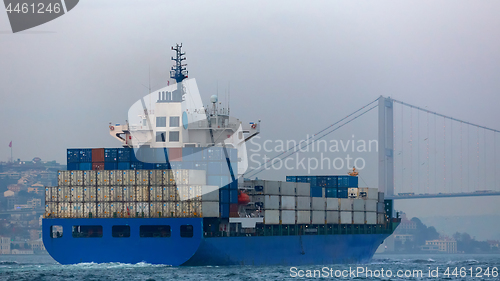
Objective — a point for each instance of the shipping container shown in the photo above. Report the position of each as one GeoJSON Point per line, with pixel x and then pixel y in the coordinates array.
{"type": "Point", "coordinates": [77, 194]}
{"type": "Point", "coordinates": [156, 177]}
{"type": "Point", "coordinates": [287, 188]}
{"type": "Point", "coordinates": [156, 210]}
{"type": "Point", "coordinates": [318, 217]}
{"type": "Point", "coordinates": [142, 177]}
{"type": "Point", "coordinates": [124, 154]}
{"type": "Point", "coordinates": [98, 166]}
{"type": "Point", "coordinates": [358, 205]}
{"type": "Point", "coordinates": [318, 203]}
{"type": "Point", "coordinates": [51, 210]}
{"type": "Point", "coordinates": [371, 218]}
{"type": "Point", "coordinates": [287, 203]}
{"type": "Point", "coordinates": [345, 217]}
{"type": "Point", "coordinates": [103, 178]}
{"type": "Point", "coordinates": [287, 216]}
{"type": "Point", "coordinates": [142, 209]}
{"type": "Point", "coordinates": [175, 154]}
{"type": "Point", "coordinates": [331, 192]}
{"type": "Point", "coordinates": [381, 197]}
{"type": "Point", "coordinates": [332, 217]}
{"type": "Point", "coordinates": [128, 177]}
{"type": "Point", "coordinates": [224, 210]}
{"type": "Point", "coordinates": [142, 193]}
{"type": "Point", "coordinates": [233, 196]}
{"type": "Point", "coordinates": [267, 187]}
{"type": "Point", "coordinates": [332, 204]}
{"type": "Point", "coordinates": [111, 155]}
{"type": "Point", "coordinates": [210, 193]}
{"type": "Point", "coordinates": [317, 191]}
{"type": "Point", "coordinates": [89, 193]}
{"type": "Point", "coordinates": [115, 177]}
{"type": "Point", "coordinates": [110, 166]}
{"type": "Point", "coordinates": [352, 192]}
{"type": "Point", "coordinates": [85, 155]}
{"type": "Point", "coordinates": [73, 156]}
{"type": "Point", "coordinates": [291, 178]}
{"type": "Point", "coordinates": [303, 203]}
{"type": "Point", "coordinates": [63, 210]}
{"type": "Point", "coordinates": [73, 166]}
{"type": "Point", "coordinates": [48, 194]}
{"type": "Point", "coordinates": [215, 154]}
{"type": "Point", "coordinates": [368, 193]}
{"type": "Point", "coordinates": [271, 202]}
{"type": "Point", "coordinates": [76, 178]}
{"type": "Point", "coordinates": [371, 205]}
{"type": "Point", "coordinates": [358, 217]}
{"type": "Point", "coordinates": [64, 178]}
{"type": "Point", "coordinates": [89, 210]}
{"type": "Point", "coordinates": [214, 168]}
{"type": "Point", "coordinates": [54, 193]}
{"type": "Point", "coordinates": [171, 193]}
{"type": "Point", "coordinates": [380, 208]}
{"type": "Point", "coordinates": [103, 193]}
{"type": "Point", "coordinates": [345, 204]}
{"type": "Point", "coordinates": [116, 193]}
{"type": "Point", "coordinates": [342, 192]}
{"type": "Point", "coordinates": [347, 181]}
{"type": "Point", "coordinates": [85, 166]}
{"type": "Point", "coordinates": [123, 165]}
{"type": "Point", "coordinates": [388, 208]}
{"type": "Point", "coordinates": [77, 210]}
{"type": "Point", "coordinates": [156, 193]}
{"type": "Point", "coordinates": [271, 216]}
{"type": "Point", "coordinates": [89, 178]}
{"type": "Point", "coordinates": [64, 194]}
{"type": "Point", "coordinates": [303, 189]}
{"type": "Point", "coordinates": [103, 210]}
{"type": "Point", "coordinates": [168, 177]}
{"type": "Point", "coordinates": [129, 193]}
{"type": "Point", "coordinates": [380, 218]}
{"type": "Point", "coordinates": [210, 209]}
{"type": "Point", "coordinates": [116, 209]}
{"type": "Point", "coordinates": [97, 155]}
{"type": "Point", "coordinates": [303, 217]}
{"type": "Point", "coordinates": [129, 209]}
{"type": "Point", "coordinates": [190, 177]}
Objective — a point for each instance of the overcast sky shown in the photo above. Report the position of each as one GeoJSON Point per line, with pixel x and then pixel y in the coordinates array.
{"type": "Point", "coordinates": [297, 66]}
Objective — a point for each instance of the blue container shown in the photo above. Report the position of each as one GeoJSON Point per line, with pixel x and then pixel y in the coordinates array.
{"type": "Point", "coordinates": [200, 166]}
{"type": "Point", "coordinates": [224, 210]}
{"type": "Point", "coordinates": [215, 154]}
{"type": "Point", "coordinates": [136, 166]}
{"type": "Point", "coordinates": [316, 191]}
{"type": "Point", "coordinates": [331, 192]}
{"type": "Point", "coordinates": [73, 156]}
{"type": "Point", "coordinates": [214, 180]}
{"type": "Point", "coordinates": [224, 196]}
{"type": "Point", "coordinates": [188, 154]}
{"type": "Point", "coordinates": [176, 165]}
{"type": "Point", "coordinates": [187, 165]}
{"type": "Point", "coordinates": [301, 179]}
{"type": "Point", "coordinates": [110, 155]}
{"type": "Point", "coordinates": [162, 166]}
{"type": "Point", "coordinates": [148, 166]}
{"type": "Point", "coordinates": [233, 196]}
{"type": "Point", "coordinates": [347, 181]}
{"type": "Point", "coordinates": [160, 155]}
{"type": "Point", "coordinates": [73, 166]}
{"type": "Point", "coordinates": [331, 181]}
{"type": "Point", "coordinates": [234, 185]}
{"type": "Point", "coordinates": [291, 178]}
{"type": "Point", "coordinates": [124, 154]}
{"type": "Point", "coordinates": [342, 192]}
{"type": "Point", "coordinates": [200, 154]}
{"type": "Point", "coordinates": [214, 168]}
{"type": "Point", "coordinates": [86, 155]}
{"type": "Point", "coordinates": [110, 166]}
{"type": "Point", "coordinates": [85, 166]}
{"type": "Point", "coordinates": [123, 165]}
{"type": "Point", "coordinates": [312, 180]}
{"type": "Point", "coordinates": [225, 180]}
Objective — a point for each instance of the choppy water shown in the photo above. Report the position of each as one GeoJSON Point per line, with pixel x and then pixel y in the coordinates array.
{"type": "Point", "coordinates": [43, 267]}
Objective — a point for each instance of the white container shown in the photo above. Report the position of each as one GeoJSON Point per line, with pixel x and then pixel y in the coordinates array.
{"type": "Point", "coordinates": [89, 210]}
{"type": "Point", "coordinates": [116, 209]}
{"type": "Point", "coordinates": [142, 209]}
{"type": "Point", "coordinates": [168, 177]}
{"type": "Point", "coordinates": [345, 204]}
{"type": "Point", "coordinates": [358, 217]}
{"type": "Point", "coordinates": [287, 217]}
{"type": "Point", "coordinates": [332, 204]}
{"type": "Point", "coordinates": [303, 217]}
{"type": "Point", "coordinates": [64, 194]}
{"type": "Point", "coordinates": [271, 216]}
{"type": "Point", "coordinates": [116, 177]}
{"type": "Point", "coordinates": [48, 191]}
{"type": "Point", "coordinates": [76, 178]}
{"type": "Point", "coordinates": [381, 208]}
{"type": "Point", "coordinates": [345, 217]}
{"type": "Point", "coordinates": [77, 210]}
{"type": "Point", "coordinates": [129, 209]}
{"type": "Point", "coordinates": [287, 202]}
{"type": "Point", "coordinates": [303, 203]}
{"type": "Point", "coordinates": [303, 189]}
{"type": "Point", "coordinates": [197, 177]}
{"type": "Point", "coordinates": [63, 210]}
{"type": "Point", "coordinates": [170, 210]}
{"type": "Point", "coordinates": [89, 178]}
{"type": "Point", "coordinates": [318, 217]}
{"type": "Point", "coordinates": [64, 178]}
{"type": "Point", "coordinates": [103, 210]}
{"type": "Point", "coordinates": [142, 177]}
{"type": "Point", "coordinates": [318, 203]}
{"type": "Point", "coordinates": [156, 193]}
{"type": "Point", "coordinates": [371, 218]}
{"type": "Point", "coordinates": [51, 210]}
{"type": "Point", "coordinates": [271, 202]}
{"type": "Point", "coordinates": [332, 217]}
{"type": "Point", "coordinates": [210, 209]}
{"type": "Point", "coordinates": [142, 193]}
{"type": "Point", "coordinates": [89, 194]}
{"type": "Point", "coordinates": [77, 194]}
{"type": "Point", "coordinates": [128, 177]}
{"type": "Point", "coordinates": [156, 177]}
{"type": "Point", "coordinates": [381, 197]}
{"type": "Point", "coordinates": [103, 193]}
{"type": "Point", "coordinates": [380, 218]}
{"type": "Point", "coordinates": [371, 205]}
{"type": "Point", "coordinates": [103, 178]}
{"type": "Point", "coordinates": [368, 193]}
{"type": "Point", "coordinates": [210, 193]}
{"type": "Point", "coordinates": [53, 193]}
{"type": "Point", "coordinates": [156, 210]}
{"type": "Point", "coordinates": [171, 193]}
{"type": "Point", "coordinates": [287, 188]}
{"type": "Point", "coordinates": [352, 192]}
{"type": "Point", "coordinates": [129, 193]}
{"type": "Point", "coordinates": [358, 205]}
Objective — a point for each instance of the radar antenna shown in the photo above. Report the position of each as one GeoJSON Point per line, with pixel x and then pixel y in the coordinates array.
{"type": "Point", "coordinates": [179, 71]}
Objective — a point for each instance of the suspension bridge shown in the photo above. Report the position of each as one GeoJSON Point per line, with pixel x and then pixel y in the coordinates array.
{"type": "Point", "coordinates": [422, 153]}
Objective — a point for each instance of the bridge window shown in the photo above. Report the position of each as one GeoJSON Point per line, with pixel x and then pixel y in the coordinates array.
{"type": "Point", "coordinates": [87, 231]}
{"type": "Point", "coordinates": [160, 136]}
{"type": "Point", "coordinates": [174, 121]}
{"type": "Point", "coordinates": [56, 231]}
{"type": "Point", "coordinates": [120, 231]}
{"type": "Point", "coordinates": [186, 231]}
{"type": "Point", "coordinates": [161, 122]}
{"type": "Point", "coordinates": [154, 231]}
{"type": "Point", "coordinates": [173, 136]}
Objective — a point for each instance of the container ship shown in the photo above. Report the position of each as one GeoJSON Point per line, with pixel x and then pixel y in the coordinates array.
{"type": "Point", "coordinates": [174, 194]}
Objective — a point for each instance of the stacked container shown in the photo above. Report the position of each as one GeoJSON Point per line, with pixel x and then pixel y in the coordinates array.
{"type": "Point", "coordinates": [327, 186]}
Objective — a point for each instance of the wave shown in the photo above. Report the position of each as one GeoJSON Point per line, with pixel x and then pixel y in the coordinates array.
{"type": "Point", "coordinates": [9, 263]}
{"type": "Point", "coordinates": [111, 265]}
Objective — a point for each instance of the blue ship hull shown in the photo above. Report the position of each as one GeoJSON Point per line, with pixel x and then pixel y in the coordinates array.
{"type": "Point", "coordinates": [198, 250]}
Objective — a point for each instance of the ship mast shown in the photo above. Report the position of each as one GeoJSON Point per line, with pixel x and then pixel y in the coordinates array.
{"type": "Point", "coordinates": [179, 71]}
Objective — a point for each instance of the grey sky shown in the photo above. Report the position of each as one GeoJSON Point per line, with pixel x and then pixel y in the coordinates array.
{"type": "Point", "coordinates": [298, 66]}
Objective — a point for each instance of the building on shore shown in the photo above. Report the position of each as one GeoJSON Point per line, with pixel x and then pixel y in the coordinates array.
{"type": "Point", "coordinates": [440, 245]}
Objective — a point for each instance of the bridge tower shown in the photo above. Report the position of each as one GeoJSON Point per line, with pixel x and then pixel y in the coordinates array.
{"type": "Point", "coordinates": [386, 146]}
